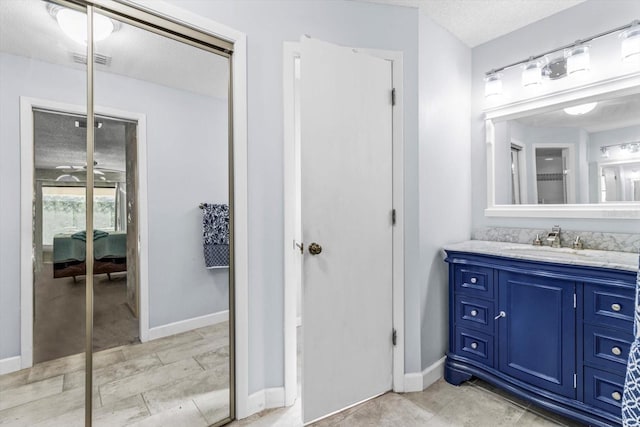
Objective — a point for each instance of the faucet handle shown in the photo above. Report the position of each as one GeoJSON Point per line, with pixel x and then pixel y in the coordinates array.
{"type": "Point", "coordinates": [577, 244]}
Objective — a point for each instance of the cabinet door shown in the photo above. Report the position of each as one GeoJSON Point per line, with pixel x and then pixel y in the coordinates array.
{"type": "Point", "coordinates": [536, 336]}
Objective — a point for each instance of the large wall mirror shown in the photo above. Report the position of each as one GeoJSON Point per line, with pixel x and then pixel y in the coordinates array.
{"type": "Point", "coordinates": [116, 273]}
{"type": "Point", "coordinates": [572, 154]}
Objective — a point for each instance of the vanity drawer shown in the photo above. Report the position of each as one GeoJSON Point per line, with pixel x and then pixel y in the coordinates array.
{"type": "Point", "coordinates": [608, 348]}
{"type": "Point", "coordinates": [474, 280]}
{"type": "Point", "coordinates": [474, 345]}
{"type": "Point", "coordinates": [608, 306]}
{"type": "Point", "coordinates": [603, 390]}
{"type": "Point", "coordinates": [474, 313]}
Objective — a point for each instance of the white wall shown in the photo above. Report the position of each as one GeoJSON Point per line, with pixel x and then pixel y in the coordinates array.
{"type": "Point", "coordinates": [580, 21]}
{"type": "Point", "coordinates": [187, 164]}
{"type": "Point", "coordinates": [444, 175]}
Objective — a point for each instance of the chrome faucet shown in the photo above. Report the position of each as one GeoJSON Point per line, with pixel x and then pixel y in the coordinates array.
{"type": "Point", "coordinates": [577, 244]}
{"type": "Point", "coordinates": [554, 237]}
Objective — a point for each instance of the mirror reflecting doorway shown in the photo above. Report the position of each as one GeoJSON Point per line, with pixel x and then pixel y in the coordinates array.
{"type": "Point", "coordinates": [157, 300]}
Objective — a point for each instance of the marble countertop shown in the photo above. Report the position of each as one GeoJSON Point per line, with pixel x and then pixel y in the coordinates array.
{"type": "Point", "coordinates": [587, 257]}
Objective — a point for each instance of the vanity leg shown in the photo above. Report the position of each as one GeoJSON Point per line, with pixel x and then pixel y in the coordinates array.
{"type": "Point", "coordinates": [454, 376]}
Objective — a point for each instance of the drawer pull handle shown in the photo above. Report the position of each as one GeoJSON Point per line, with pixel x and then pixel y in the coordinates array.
{"type": "Point", "coordinates": [474, 345]}
{"type": "Point", "coordinates": [616, 350]}
{"type": "Point", "coordinates": [502, 314]}
{"type": "Point", "coordinates": [615, 307]}
{"type": "Point", "coordinates": [616, 395]}
{"type": "Point", "coordinates": [474, 313]}
{"type": "Point", "coordinates": [473, 280]}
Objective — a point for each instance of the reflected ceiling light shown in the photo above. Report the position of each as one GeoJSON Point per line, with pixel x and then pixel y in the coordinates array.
{"type": "Point", "coordinates": [493, 85]}
{"type": "Point", "coordinates": [579, 110]}
{"type": "Point", "coordinates": [578, 60]}
{"type": "Point", "coordinates": [532, 72]}
{"type": "Point", "coordinates": [604, 152]}
{"type": "Point", "coordinates": [74, 24]}
{"type": "Point", "coordinates": [630, 45]}
{"type": "Point", "coordinates": [67, 178]}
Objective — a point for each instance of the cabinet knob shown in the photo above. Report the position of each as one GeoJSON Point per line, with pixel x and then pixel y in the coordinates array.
{"type": "Point", "coordinates": [616, 395]}
{"type": "Point", "coordinates": [616, 350]}
{"type": "Point", "coordinates": [474, 345]}
{"type": "Point", "coordinates": [474, 313]}
{"type": "Point", "coordinates": [615, 307]}
{"type": "Point", "coordinates": [473, 280]}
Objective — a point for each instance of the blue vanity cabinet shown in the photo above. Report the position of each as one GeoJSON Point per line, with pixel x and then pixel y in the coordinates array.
{"type": "Point", "coordinates": [555, 334]}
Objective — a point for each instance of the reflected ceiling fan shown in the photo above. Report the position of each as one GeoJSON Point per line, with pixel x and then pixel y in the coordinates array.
{"type": "Point", "coordinates": [70, 172]}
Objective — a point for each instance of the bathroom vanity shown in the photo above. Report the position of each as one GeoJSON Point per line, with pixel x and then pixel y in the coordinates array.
{"type": "Point", "coordinates": [550, 325]}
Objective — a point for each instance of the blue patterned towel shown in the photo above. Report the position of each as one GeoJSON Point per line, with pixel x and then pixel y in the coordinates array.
{"type": "Point", "coordinates": [631, 399]}
{"type": "Point", "coordinates": [215, 235]}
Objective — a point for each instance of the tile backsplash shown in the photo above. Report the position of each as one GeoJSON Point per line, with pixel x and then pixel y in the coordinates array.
{"type": "Point", "coordinates": [621, 242]}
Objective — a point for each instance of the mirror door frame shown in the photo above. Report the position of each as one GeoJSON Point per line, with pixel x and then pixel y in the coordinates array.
{"type": "Point", "coordinates": [619, 86]}
{"type": "Point", "coordinates": [174, 17]}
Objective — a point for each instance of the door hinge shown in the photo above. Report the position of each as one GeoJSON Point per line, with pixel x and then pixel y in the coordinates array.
{"type": "Point", "coordinates": [575, 380]}
{"type": "Point", "coordinates": [393, 217]}
{"type": "Point", "coordinates": [394, 337]}
{"type": "Point", "coordinates": [575, 300]}
{"type": "Point", "coordinates": [393, 96]}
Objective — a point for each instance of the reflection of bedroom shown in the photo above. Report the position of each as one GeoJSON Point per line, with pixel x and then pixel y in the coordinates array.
{"type": "Point", "coordinates": [60, 237]}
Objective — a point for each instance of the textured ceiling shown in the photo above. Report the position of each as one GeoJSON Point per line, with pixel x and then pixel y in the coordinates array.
{"type": "Point", "coordinates": [477, 21]}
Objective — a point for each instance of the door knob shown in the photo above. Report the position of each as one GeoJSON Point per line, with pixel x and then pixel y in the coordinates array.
{"type": "Point", "coordinates": [314, 248]}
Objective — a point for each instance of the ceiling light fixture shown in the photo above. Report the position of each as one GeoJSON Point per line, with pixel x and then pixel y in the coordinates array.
{"type": "Point", "coordinates": [67, 178]}
{"type": "Point", "coordinates": [74, 24]}
{"type": "Point", "coordinates": [578, 110]}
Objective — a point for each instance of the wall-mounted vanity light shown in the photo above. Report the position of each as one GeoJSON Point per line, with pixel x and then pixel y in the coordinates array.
{"type": "Point", "coordinates": [630, 45]}
{"type": "Point", "coordinates": [492, 84]}
{"type": "Point", "coordinates": [575, 61]}
{"type": "Point", "coordinates": [578, 60]}
{"type": "Point", "coordinates": [625, 148]}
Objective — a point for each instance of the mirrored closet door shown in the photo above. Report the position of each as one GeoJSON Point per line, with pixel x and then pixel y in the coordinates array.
{"type": "Point", "coordinates": [126, 158]}
{"type": "Point", "coordinates": [43, 96]}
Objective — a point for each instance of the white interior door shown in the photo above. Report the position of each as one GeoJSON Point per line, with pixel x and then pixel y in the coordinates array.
{"type": "Point", "coordinates": [346, 127]}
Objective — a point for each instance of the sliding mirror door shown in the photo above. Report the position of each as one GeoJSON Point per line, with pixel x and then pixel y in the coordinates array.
{"type": "Point", "coordinates": [161, 265]}
{"type": "Point", "coordinates": [43, 103]}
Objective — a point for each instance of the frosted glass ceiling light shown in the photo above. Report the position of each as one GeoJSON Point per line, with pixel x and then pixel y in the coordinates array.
{"type": "Point", "coordinates": [532, 72]}
{"type": "Point", "coordinates": [578, 61]}
{"type": "Point", "coordinates": [74, 25]}
{"type": "Point", "coordinates": [579, 110]}
{"type": "Point", "coordinates": [493, 85]}
{"type": "Point", "coordinates": [630, 46]}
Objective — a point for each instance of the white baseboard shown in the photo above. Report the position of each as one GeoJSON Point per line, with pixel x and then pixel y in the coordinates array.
{"type": "Point", "coordinates": [420, 381]}
{"type": "Point", "coordinates": [265, 399]}
{"type": "Point", "coordinates": [10, 364]}
{"type": "Point", "coordinates": [187, 325]}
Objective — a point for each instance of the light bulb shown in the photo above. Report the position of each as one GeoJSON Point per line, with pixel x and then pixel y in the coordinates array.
{"type": "Point", "coordinates": [532, 73]}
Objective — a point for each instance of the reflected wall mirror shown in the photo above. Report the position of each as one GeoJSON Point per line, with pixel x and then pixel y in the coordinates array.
{"type": "Point", "coordinates": [569, 154]}
{"type": "Point", "coordinates": [116, 306]}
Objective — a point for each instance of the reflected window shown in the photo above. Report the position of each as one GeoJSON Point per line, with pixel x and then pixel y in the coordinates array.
{"type": "Point", "coordinates": [63, 210]}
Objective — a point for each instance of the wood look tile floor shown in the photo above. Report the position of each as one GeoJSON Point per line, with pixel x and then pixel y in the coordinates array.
{"type": "Point", "coordinates": [182, 381]}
